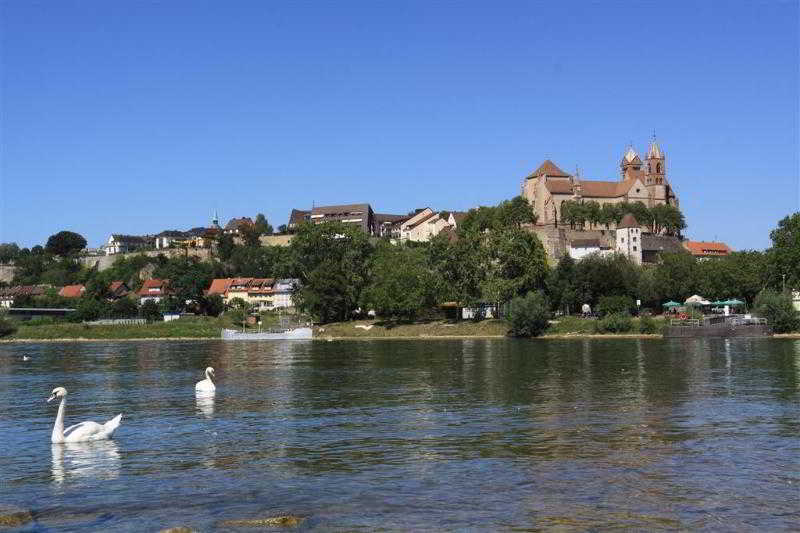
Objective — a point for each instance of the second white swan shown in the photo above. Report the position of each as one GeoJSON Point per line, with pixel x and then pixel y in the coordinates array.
{"type": "Point", "coordinates": [206, 385]}
{"type": "Point", "coordinates": [83, 431]}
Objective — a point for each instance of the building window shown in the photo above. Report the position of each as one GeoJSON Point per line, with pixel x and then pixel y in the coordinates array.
{"type": "Point", "coordinates": [658, 168]}
{"type": "Point", "coordinates": [634, 239]}
{"type": "Point", "coordinates": [634, 248]}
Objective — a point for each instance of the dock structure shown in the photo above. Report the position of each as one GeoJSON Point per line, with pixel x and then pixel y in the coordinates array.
{"type": "Point", "coordinates": [729, 326]}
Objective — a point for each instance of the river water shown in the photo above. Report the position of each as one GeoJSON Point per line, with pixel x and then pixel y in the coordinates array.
{"type": "Point", "coordinates": [409, 435]}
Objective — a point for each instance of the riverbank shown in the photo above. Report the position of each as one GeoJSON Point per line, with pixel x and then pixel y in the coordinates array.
{"type": "Point", "coordinates": [198, 328]}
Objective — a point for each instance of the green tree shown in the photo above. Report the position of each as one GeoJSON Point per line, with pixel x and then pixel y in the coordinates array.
{"type": "Point", "coordinates": [124, 308]}
{"type": "Point", "coordinates": [283, 228]}
{"type": "Point", "coordinates": [89, 309]}
{"type": "Point", "coordinates": [262, 226]}
{"type": "Point", "coordinates": [225, 246]}
{"type": "Point", "coordinates": [65, 243]}
{"type": "Point", "coordinates": [676, 276]}
{"type": "Point", "coordinates": [331, 261]}
{"type": "Point", "coordinates": [528, 315]}
{"type": "Point", "coordinates": [560, 285]}
{"type": "Point", "coordinates": [150, 311]}
{"type": "Point", "coordinates": [9, 252]}
{"type": "Point", "coordinates": [777, 308]}
{"type": "Point", "coordinates": [784, 255]}
{"type": "Point", "coordinates": [515, 264]}
{"type": "Point", "coordinates": [401, 285]}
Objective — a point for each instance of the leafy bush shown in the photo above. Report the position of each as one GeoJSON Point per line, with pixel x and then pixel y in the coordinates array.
{"type": "Point", "coordinates": [777, 308]}
{"type": "Point", "coordinates": [614, 323]}
{"type": "Point", "coordinates": [150, 311]}
{"type": "Point", "coordinates": [647, 324]}
{"type": "Point", "coordinates": [6, 327]}
{"type": "Point", "coordinates": [608, 305]}
{"type": "Point", "coordinates": [528, 315]}
{"type": "Point", "coordinates": [91, 309]}
{"type": "Point", "coordinates": [124, 308]}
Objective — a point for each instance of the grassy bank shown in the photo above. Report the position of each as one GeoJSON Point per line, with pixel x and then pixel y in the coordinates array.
{"type": "Point", "coordinates": [209, 328]}
{"type": "Point", "coordinates": [193, 327]}
{"type": "Point", "coordinates": [566, 326]}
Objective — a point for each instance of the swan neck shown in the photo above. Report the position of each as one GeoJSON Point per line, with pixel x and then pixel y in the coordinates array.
{"type": "Point", "coordinates": [58, 427]}
{"type": "Point", "coordinates": [208, 377]}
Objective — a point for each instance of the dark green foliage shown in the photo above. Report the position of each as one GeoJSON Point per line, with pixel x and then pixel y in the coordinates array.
{"type": "Point", "coordinates": [647, 325]}
{"type": "Point", "coordinates": [211, 305]}
{"type": "Point", "coordinates": [9, 252]}
{"type": "Point", "coordinates": [784, 256]}
{"type": "Point", "coordinates": [777, 308]}
{"type": "Point", "coordinates": [188, 279]}
{"type": "Point", "coordinates": [528, 315]}
{"type": "Point", "coordinates": [7, 327]}
{"type": "Point", "coordinates": [331, 261]}
{"type": "Point", "coordinates": [401, 285]}
{"type": "Point", "coordinates": [225, 246]}
{"type": "Point", "coordinates": [607, 305]}
{"type": "Point", "coordinates": [88, 309]}
{"type": "Point", "coordinates": [283, 228]}
{"type": "Point", "coordinates": [261, 225]}
{"type": "Point", "coordinates": [65, 243]}
{"type": "Point", "coordinates": [561, 290]}
{"type": "Point", "coordinates": [614, 323]}
{"type": "Point", "coordinates": [150, 311]}
{"type": "Point", "coordinates": [123, 308]}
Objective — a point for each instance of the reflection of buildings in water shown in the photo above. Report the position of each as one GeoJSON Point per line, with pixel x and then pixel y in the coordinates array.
{"type": "Point", "coordinates": [205, 403]}
{"type": "Point", "coordinates": [89, 460]}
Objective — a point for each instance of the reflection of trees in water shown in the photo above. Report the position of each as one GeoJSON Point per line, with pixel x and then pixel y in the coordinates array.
{"type": "Point", "coordinates": [85, 460]}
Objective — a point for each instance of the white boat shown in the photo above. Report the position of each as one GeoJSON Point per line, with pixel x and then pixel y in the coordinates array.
{"type": "Point", "coordinates": [273, 335]}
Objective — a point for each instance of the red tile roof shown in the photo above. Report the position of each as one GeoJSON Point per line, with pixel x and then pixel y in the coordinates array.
{"type": "Point", "coordinates": [154, 287]}
{"type": "Point", "coordinates": [707, 248]}
{"type": "Point", "coordinates": [549, 168]}
{"type": "Point", "coordinates": [219, 286]}
{"type": "Point", "coordinates": [628, 221]}
{"type": "Point", "coordinates": [559, 186]}
{"type": "Point", "coordinates": [72, 291]}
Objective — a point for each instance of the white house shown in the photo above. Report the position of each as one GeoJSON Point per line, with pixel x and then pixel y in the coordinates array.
{"type": "Point", "coordinates": [282, 293]}
{"type": "Point", "coordinates": [120, 244]}
{"type": "Point", "coordinates": [580, 248]}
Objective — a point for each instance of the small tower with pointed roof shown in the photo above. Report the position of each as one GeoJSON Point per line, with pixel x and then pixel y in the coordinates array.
{"type": "Point", "coordinates": [629, 238]}
{"type": "Point", "coordinates": [656, 167]}
{"type": "Point", "coordinates": [631, 165]}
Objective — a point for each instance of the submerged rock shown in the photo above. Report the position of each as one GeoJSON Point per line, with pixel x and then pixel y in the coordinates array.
{"type": "Point", "coordinates": [271, 521]}
{"type": "Point", "coordinates": [13, 516]}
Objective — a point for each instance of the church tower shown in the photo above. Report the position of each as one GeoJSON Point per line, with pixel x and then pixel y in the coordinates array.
{"type": "Point", "coordinates": [631, 165]}
{"type": "Point", "coordinates": [656, 174]}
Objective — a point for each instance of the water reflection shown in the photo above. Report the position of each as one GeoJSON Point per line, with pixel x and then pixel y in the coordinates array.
{"type": "Point", "coordinates": [85, 460]}
{"type": "Point", "coordinates": [205, 403]}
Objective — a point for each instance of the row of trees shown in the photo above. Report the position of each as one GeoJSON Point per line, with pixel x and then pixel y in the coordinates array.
{"type": "Point", "coordinates": [659, 219]}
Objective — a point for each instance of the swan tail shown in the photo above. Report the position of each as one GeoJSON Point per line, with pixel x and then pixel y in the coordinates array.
{"type": "Point", "coordinates": [113, 424]}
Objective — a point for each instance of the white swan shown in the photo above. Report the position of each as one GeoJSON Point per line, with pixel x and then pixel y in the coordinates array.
{"type": "Point", "coordinates": [206, 385]}
{"type": "Point", "coordinates": [82, 432]}
{"type": "Point", "coordinates": [26, 358]}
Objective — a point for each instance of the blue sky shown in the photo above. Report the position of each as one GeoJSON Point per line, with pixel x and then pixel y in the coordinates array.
{"type": "Point", "coordinates": [135, 117]}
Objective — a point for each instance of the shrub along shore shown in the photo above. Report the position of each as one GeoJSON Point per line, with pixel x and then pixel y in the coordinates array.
{"type": "Point", "coordinates": [210, 328]}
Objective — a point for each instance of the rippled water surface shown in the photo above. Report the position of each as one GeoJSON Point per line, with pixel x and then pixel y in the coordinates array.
{"type": "Point", "coordinates": [409, 435]}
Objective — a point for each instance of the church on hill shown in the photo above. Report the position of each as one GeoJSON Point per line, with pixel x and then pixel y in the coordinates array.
{"type": "Point", "coordinates": [547, 187]}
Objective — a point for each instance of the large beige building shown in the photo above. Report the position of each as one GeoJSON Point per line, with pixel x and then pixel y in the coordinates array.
{"type": "Point", "coordinates": [547, 187]}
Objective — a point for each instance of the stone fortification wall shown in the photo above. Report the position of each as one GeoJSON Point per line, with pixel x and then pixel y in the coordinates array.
{"type": "Point", "coordinates": [104, 262]}
{"type": "Point", "coordinates": [7, 273]}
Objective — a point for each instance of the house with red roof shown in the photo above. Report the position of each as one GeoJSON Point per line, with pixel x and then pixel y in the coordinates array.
{"type": "Point", "coordinates": [117, 290]}
{"type": "Point", "coordinates": [72, 291]}
{"type": "Point", "coordinates": [707, 249]}
{"type": "Point", "coordinates": [258, 292]}
{"type": "Point", "coordinates": [153, 290]}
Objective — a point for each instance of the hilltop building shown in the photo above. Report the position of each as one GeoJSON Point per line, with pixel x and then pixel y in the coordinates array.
{"type": "Point", "coordinates": [547, 187]}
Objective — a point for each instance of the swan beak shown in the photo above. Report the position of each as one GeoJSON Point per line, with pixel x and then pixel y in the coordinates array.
{"type": "Point", "coordinates": [51, 398]}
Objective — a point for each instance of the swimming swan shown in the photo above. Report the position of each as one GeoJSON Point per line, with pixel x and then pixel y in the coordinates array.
{"type": "Point", "coordinates": [82, 432]}
{"type": "Point", "coordinates": [206, 385]}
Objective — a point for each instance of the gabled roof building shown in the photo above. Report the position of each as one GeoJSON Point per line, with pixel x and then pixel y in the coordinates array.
{"type": "Point", "coordinates": [547, 187]}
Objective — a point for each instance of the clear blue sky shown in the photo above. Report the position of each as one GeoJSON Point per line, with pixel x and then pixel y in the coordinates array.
{"type": "Point", "coordinates": [135, 117]}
